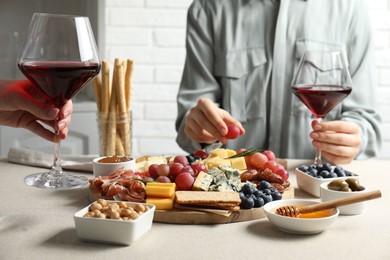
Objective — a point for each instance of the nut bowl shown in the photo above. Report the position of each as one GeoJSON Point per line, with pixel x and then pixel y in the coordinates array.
{"type": "Point", "coordinates": [310, 183]}
{"type": "Point", "coordinates": [112, 231]}
{"type": "Point", "coordinates": [298, 225]}
{"type": "Point", "coordinates": [352, 209]}
{"type": "Point", "coordinates": [107, 165]}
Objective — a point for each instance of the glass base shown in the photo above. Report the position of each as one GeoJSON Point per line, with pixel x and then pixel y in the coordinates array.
{"type": "Point", "coordinates": [56, 181]}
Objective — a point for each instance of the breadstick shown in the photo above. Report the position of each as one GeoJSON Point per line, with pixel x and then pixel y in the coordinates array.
{"type": "Point", "coordinates": [111, 128]}
{"type": "Point", "coordinates": [97, 88]}
{"type": "Point", "coordinates": [106, 91]}
{"type": "Point", "coordinates": [121, 100]}
{"type": "Point", "coordinates": [128, 83]}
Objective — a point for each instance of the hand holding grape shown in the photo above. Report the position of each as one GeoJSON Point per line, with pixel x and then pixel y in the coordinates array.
{"type": "Point", "coordinates": [206, 123]}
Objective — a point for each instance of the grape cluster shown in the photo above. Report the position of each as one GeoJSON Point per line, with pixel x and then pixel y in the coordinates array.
{"type": "Point", "coordinates": [256, 197]}
{"type": "Point", "coordinates": [325, 170]}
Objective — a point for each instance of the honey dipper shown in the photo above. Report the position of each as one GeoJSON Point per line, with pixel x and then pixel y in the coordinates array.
{"type": "Point", "coordinates": [294, 211]}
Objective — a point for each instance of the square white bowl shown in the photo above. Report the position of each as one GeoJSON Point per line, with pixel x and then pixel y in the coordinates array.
{"type": "Point", "coordinates": [312, 184]}
{"type": "Point", "coordinates": [122, 232]}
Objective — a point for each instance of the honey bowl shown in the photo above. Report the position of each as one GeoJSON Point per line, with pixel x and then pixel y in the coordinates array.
{"type": "Point", "coordinates": [107, 165]}
{"type": "Point", "coordinates": [312, 223]}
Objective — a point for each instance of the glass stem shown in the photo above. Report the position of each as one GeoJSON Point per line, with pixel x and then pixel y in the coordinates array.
{"type": "Point", "coordinates": [318, 159]}
{"type": "Point", "coordinates": [57, 169]}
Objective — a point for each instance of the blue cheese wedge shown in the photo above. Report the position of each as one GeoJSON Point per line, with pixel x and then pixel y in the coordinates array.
{"type": "Point", "coordinates": [203, 182]}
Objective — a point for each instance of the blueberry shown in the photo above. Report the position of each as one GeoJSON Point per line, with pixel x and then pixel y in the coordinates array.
{"type": "Point", "coordinates": [303, 168]}
{"type": "Point", "coordinates": [242, 196]}
{"type": "Point", "coordinates": [247, 189]}
{"type": "Point", "coordinates": [276, 195]}
{"type": "Point", "coordinates": [349, 174]}
{"type": "Point", "coordinates": [247, 202]}
{"type": "Point", "coordinates": [256, 193]}
{"type": "Point", "coordinates": [313, 172]}
{"type": "Point", "coordinates": [325, 174]}
{"type": "Point", "coordinates": [267, 191]}
{"type": "Point", "coordinates": [264, 185]}
{"type": "Point", "coordinates": [333, 175]}
{"type": "Point", "coordinates": [327, 167]}
{"type": "Point", "coordinates": [259, 202]}
{"type": "Point", "coordinates": [266, 198]}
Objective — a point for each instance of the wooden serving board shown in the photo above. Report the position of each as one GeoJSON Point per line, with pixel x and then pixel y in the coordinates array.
{"type": "Point", "coordinates": [179, 216]}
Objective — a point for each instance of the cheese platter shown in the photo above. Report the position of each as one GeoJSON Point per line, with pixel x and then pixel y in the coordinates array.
{"type": "Point", "coordinates": [202, 188]}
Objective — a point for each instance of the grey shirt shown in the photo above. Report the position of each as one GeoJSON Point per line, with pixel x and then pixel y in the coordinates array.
{"type": "Point", "coordinates": [242, 54]}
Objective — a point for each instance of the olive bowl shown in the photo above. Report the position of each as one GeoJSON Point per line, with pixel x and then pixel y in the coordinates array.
{"type": "Point", "coordinates": [329, 194]}
{"type": "Point", "coordinates": [311, 185]}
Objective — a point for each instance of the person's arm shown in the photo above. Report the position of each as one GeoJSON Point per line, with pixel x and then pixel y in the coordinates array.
{"type": "Point", "coordinates": [198, 82]}
{"type": "Point", "coordinates": [22, 106]}
{"type": "Point", "coordinates": [358, 134]}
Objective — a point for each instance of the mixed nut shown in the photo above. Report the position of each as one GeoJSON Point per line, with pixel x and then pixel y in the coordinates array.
{"type": "Point", "coordinates": [115, 210]}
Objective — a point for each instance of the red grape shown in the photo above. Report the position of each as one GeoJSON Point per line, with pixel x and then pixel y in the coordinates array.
{"type": "Point", "coordinates": [258, 160]}
{"type": "Point", "coordinates": [270, 155]}
{"type": "Point", "coordinates": [233, 132]}
{"type": "Point", "coordinates": [272, 165]}
{"type": "Point", "coordinates": [184, 181]}
{"type": "Point", "coordinates": [153, 170]}
{"type": "Point", "coordinates": [198, 167]}
{"type": "Point", "coordinates": [202, 154]}
{"type": "Point", "coordinates": [175, 169]}
{"type": "Point", "coordinates": [163, 179]}
{"type": "Point", "coordinates": [282, 173]}
{"type": "Point", "coordinates": [188, 169]}
{"type": "Point", "coordinates": [181, 159]}
{"type": "Point", "coordinates": [163, 169]}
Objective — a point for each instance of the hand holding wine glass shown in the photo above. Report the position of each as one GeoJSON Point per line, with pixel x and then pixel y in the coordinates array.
{"type": "Point", "coordinates": [322, 81]}
{"type": "Point", "coordinates": [59, 57]}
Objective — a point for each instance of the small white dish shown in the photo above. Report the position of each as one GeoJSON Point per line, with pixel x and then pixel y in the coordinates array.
{"type": "Point", "coordinates": [297, 225]}
{"type": "Point", "coordinates": [312, 184]}
{"type": "Point", "coordinates": [122, 232]}
{"type": "Point", "coordinates": [108, 168]}
{"type": "Point", "coordinates": [352, 209]}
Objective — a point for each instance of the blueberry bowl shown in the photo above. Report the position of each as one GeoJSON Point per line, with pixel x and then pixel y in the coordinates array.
{"type": "Point", "coordinates": [309, 178]}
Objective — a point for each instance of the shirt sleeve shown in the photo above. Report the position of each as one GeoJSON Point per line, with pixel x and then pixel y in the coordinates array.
{"type": "Point", "coordinates": [360, 107]}
{"type": "Point", "coordinates": [197, 80]}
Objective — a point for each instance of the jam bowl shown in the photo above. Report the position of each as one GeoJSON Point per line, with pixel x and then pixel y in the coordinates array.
{"type": "Point", "coordinates": [107, 165]}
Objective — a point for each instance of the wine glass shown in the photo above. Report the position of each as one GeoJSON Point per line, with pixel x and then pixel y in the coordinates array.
{"type": "Point", "coordinates": [59, 56]}
{"type": "Point", "coordinates": [321, 82]}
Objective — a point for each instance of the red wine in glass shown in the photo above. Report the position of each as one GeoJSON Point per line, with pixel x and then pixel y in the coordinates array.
{"type": "Point", "coordinates": [321, 82]}
{"type": "Point", "coordinates": [59, 56]}
{"type": "Point", "coordinates": [321, 99]}
{"type": "Point", "coordinates": [59, 80]}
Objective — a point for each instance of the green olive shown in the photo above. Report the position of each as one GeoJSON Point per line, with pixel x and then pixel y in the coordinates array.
{"type": "Point", "coordinates": [354, 184]}
{"type": "Point", "coordinates": [337, 185]}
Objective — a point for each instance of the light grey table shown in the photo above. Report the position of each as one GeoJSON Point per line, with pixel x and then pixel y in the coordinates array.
{"type": "Point", "coordinates": [38, 224]}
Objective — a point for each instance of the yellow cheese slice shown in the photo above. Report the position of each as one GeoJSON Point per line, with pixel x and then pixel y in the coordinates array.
{"type": "Point", "coordinates": [238, 163]}
{"type": "Point", "coordinates": [160, 190]}
{"type": "Point", "coordinates": [160, 203]}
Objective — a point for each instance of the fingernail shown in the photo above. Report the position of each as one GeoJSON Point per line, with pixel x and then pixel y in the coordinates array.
{"type": "Point", "coordinates": [317, 127]}
{"type": "Point", "coordinates": [61, 125]}
{"type": "Point", "coordinates": [316, 144]}
{"type": "Point", "coordinates": [314, 135]}
{"type": "Point", "coordinates": [51, 112]}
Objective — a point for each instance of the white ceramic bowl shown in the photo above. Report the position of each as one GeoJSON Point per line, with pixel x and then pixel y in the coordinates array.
{"type": "Point", "coordinates": [297, 225]}
{"type": "Point", "coordinates": [104, 169]}
{"type": "Point", "coordinates": [352, 209]}
{"type": "Point", "coordinates": [312, 184]}
{"type": "Point", "coordinates": [122, 232]}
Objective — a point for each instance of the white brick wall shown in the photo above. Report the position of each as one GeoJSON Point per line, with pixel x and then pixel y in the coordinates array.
{"type": "Point", "coordinates": [152, 33]}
